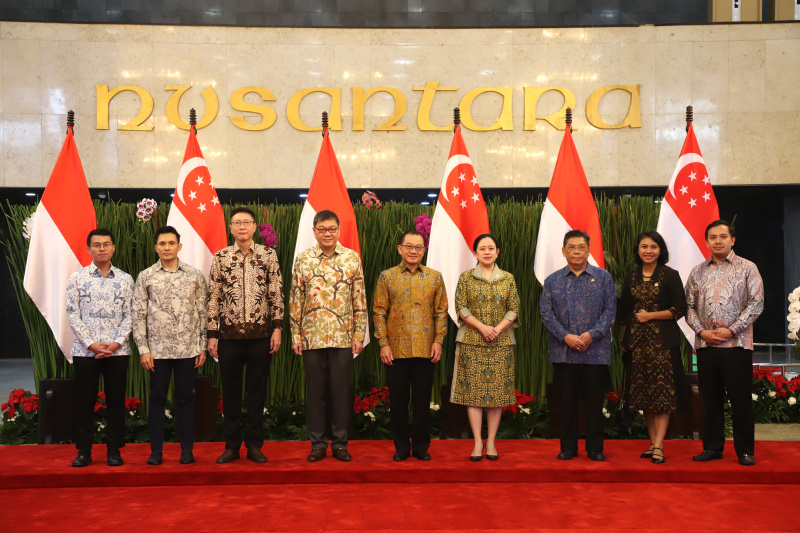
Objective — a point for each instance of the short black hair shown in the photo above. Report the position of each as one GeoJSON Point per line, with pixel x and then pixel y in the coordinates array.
{"type": "Point", "coordinates": [166, 230]}
{"type": "Point", "coordinates": [663, 257]}
{"type": "Point", "coordinates": [410, 232]}
{"type": "Point", "coordinates": [576, 233]}
{"type": "Point", "coordinates": [99, 232]}
{"type": "Point", "coordinates": [484, 236]}
{"type": "Point", "coordinates": [325, 214]}
{"type": "Point", "coordinates": [243, 209]}
{"type": "Point", "coordinates": [716, 223]}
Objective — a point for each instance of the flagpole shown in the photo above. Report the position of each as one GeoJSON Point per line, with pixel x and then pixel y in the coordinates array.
{"type": "Point", "coordinates": [689, 117]}
{"type": "Point", "coordinates": [324, 123]}
{"type": "Point", "coordinates": [456, 118]}
{"type": "Point", "coordinates": [568, 119]}
{"type": "Point", "coordinates": [193, 120]}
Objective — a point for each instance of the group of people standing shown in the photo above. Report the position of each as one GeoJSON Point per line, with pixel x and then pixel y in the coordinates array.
{"type": "Point", "coordinates": [238, 318]}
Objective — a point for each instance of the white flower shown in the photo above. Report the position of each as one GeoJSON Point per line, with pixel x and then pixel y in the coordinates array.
{"type": "Point", "coordinates": [641, 412]}
{"type": "Point", "coordinates": [294, 413]}
{"type": "Point", "coordinates": [100, 426]}
{"type": "Point", "coordinates": [772, 394]}
{"type": "Point", "coordinates": [525, 410]}
{"type": "Point", "coordinates": [793, 336]}
{"type": "Point", "coordinates": [27, 226]}
{"type": "Point", "coordinates": [434, 407]}
{"type": "Point", "coordinates": [794, 307]}
{"type": "Point", "coordinates": [145, 208]}
{"type": "Point", "coordinates": [265, 411]}
{"type": "Point", "coordinates": [604, 410]}
{"type": "Point", "coordinates": [792, 400]}
{"type": "Point", "coordinates": [370, 414]}
{"type": "Point", "coordinates": [168, 414]}
{"type": "Point", "coordinates": [130, 413]}
{"type": "Point", "coordinates": [607, 414]}
{"type": "Point", "coordinates": [755, 397]}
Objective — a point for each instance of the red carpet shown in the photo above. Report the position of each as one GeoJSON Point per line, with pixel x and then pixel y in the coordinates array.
{"type": "Point", "coordinates": [527, 489]}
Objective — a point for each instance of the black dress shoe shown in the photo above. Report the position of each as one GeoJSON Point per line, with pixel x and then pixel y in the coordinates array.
{"type": "Point", "coordinates": [566, 456]}
{"type": "Point", "coordinates": [596, 456]}
{"type": "Point", "coordinates": [747, 460]}
{"type": "Point", "coordinates": [400, 456]}
{"type": "Point", "coordinates": [256, 455]}
{"type": "Point", "coordinates": [424, 456]}
{"type": "Point", "coordinates": [227, 456]}
{"type": "Point", "coordinates": [187, 457]}
{"type": "Point", "coordinates": [707, 455]}
{"type": "Point", "coordinates": [476, 458]}
{"type": "Point", "coordinates": [317, 454]}
{"type": "Point", "coordinates": [342, 454]}
{"type": "Point", "coordinates": [83, 459]}
{"type": "Point", "coordinates": [155, 458]}
{"type": "Point", "coordinates": [114, 459]}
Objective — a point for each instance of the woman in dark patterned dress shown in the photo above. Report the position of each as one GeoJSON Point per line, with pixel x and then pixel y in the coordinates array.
{"type": "Point", "coordinates": [652, 302]}
{"type": "Point", "coordinates": [487, 303]}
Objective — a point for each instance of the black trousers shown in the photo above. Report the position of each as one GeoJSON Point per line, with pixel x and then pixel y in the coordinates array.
{"type": "Point", "coordinates": [184, 371]}
{"type": "Point", "coordinates": [87, 374]}
{"type": "Point", "coordinates": [329, 373]}
{"type": "Point", "coordinates": [574, 381]}
{"type": "Point", "coordinates": [731, 369]}
{"type": "Point", "coordinates": [415, 374]}
{"type": "Point", "coordinates": [234, 357]}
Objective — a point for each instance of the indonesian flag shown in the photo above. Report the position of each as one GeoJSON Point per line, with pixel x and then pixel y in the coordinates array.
{"type": "Point", "coordinates": [64, 218]}
{"type": "Point", "coordinates": [569, 206]}
{"type": "Point", "coordinates": [196, 212]}
{"type": "Point", "coordinates": [688, 207]}
{"type": "Point", "coordinates": [328, 192]}
{"type": "Point", "coordinates": [460, 217]}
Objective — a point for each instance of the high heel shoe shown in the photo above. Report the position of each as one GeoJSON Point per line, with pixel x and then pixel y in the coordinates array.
{"type": "Point", "coordinates": [658, 459]}
{"type": "Point", "coordinates": [476, 458]}
{"type": "Point", "coordinates": [648, 453]}
{"type": "Point", "coordinates": [491, 457]}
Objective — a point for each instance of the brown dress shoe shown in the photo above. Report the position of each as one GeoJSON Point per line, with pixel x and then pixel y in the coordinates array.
{"type": "Point", "coordinates": [256, 455]}
{"type": "Point", "coordinates": [342, 454]}
{"type": "Point", "coordinates": [227, 456]}
{"type": "Point", "coordinates": [317, 454]}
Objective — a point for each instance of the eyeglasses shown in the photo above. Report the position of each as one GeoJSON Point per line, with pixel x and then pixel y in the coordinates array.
{"type": "Point", "coordinates": [327, 230]}
{"type": "Point", "coordinates": [102, 245]}
{"type": "Point", "coordinates": [579, 247]}
{"type": "Point", "coordinates": [245, 223]}
{"type": "Point", "coordinates": [410, 247]}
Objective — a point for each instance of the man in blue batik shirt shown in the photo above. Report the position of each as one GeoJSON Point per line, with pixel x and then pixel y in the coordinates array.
{"type": "Point", "coordinates": [99, 312]}
{"type": "Point", "coordinates": [578, 305]}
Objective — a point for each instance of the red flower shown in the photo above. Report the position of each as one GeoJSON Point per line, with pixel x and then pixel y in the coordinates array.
{"type": "Point", "coordinates": [11, 412]}
{"type": "Point", "coordinates": [101, 394]}
{"type": "Point", "coordinates": [613, 398]}
{"type": "Point", "coordinates": [220, 404]}
{"type": "Point", "coordinates": [98, 406]}
{"type": "Point", "coordinates": [4, 407]}
{"type": "Point", "coordinates": [132, 404]}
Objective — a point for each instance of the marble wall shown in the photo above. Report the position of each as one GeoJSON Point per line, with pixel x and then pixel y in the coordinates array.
{"type": "Point", "coordinates": [741, 79]}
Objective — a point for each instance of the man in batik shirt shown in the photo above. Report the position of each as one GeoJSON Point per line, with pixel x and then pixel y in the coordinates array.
{"type": "Point", "coordinates": [169, 328]}
{"type": "Point", "coordinates": [725, 295]}
{"type": "Point", "coordinates": [99, 313]}
{"type": "Point", "coordinates": [245, 317]}
{"type": "Point", "coordinates": [410, 312]}
{"type": "Point", "coordinates": [328, 316]}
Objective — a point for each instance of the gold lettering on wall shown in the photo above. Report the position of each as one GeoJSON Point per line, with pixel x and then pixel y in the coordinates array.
{"type": "Point", "coordinates": [104, 97]}
{"type": "Point", "coordinates": [532, 95]}
{"type": "Point", "coordinates": [632, 120]}
{"type": "Point", "coordinates": [505, 122]}
{"type": "Point", "coordinates": [334, 116]}
{"type": "Point", "coordinates": [360, 98]}
{"type": "Point", "coordinates": [212, 106]}
{"type": "Point", "coordinates": [424, 113]}
{"type": "Point", "coordinates": [268, 115]}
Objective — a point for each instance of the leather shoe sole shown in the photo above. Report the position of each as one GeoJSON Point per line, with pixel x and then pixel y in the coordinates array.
{"type": "Point", "coordinates": [566, 456]}
{"type": "Point", "coordinates": [747, 460]}
{"type": "Point", "coordinates": [317, 454]}
{"type": "Point", "coordinates": [256, 455]}
{"type": "Point", "coordinates": [707, 455]}
{"type": "Point", "coordinates": [227, 456]}
{"type": "Point", "coordinates": [596, 456]}
{"type": "Point", "coordinates": [342, 454]}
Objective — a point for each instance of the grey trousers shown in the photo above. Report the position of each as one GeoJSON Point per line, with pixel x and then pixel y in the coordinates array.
{"type": "Point", "coordinates": [329, 372]}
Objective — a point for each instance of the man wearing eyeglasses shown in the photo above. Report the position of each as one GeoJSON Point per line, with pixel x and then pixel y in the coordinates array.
{"type": "Point", "coordinates": [328, 316]}
{"type": "Point", "coordinates": [99, 313]}
{"type": "Point", "coordinates": [410, 312]}
{"type": "Point", "coordinates": [577, 306]}
{"type": "Point", "coordinates": [245, 317]}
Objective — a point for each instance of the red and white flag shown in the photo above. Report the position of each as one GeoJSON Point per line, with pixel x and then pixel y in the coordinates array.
{"type": "Point", "coordinates": [196, 212]}
{"type": "Point", "coordinates": [64, 218]}
{"type": "Point", "coordinates": [569, 206]}
{"type": "Point", "coordinates": [688, 207]}
{"type": "Point", "coordinates": [328, 192]}
{"type": "Point", "coordinates": [460, 217]}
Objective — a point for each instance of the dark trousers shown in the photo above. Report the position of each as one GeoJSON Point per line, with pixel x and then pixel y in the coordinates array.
{"type": "Point", "coordinates": [234, 356]}
{"type": "Point", "coordinates": [574, 381]}
{"type": "Point", "coordinates": [87, 374]}
{"type": "Point", "coordinates": [184, 371]}
{"type": "Point", "coordinates": [329, 373]}
{"type": "Point", "coordinates": [731, 369]}
{"type": "Point", "coordinates": [417, 374]}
